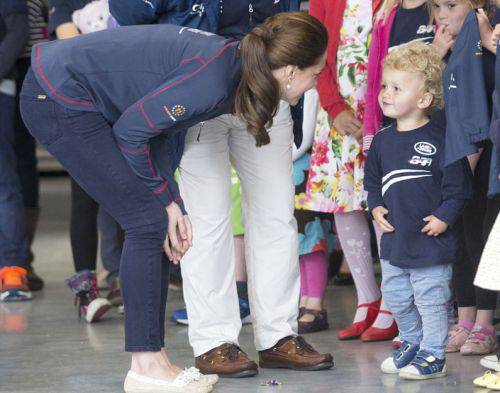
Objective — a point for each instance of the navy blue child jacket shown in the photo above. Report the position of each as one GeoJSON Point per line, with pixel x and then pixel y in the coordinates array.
{"type": "Point", "coordinates": [465, 94]}
{"type": "Point", "coordinates": [406, 173]}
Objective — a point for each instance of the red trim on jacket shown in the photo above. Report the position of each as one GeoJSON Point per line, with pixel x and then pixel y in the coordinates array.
{"type": "Point", "coordinates": [51, 88]}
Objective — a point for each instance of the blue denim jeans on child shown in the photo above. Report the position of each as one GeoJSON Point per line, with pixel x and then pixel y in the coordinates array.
{"type": "Point", "coordinates": [84, 144]}
{"type": "Point", "coordinates": [13, 251]}
{"type": "Point", "coordinates": [417, 297]}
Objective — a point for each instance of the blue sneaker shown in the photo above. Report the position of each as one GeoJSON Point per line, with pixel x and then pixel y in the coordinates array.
{"type": "Point", "coordinates": [181, 317]}
{"type": "Point", "coordinates": [424, 366]}
{"type": "Point", "coordinates": [245, 316]}
{"type": "Point", "coordinates": [400, 358]}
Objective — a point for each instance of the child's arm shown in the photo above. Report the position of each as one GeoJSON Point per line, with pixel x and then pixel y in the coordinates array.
{"type": "Point", "coordinates": [486, 31]}
{"type": "Point", "coordinates": [373, 184]}
{"type": "Point", "coordinates": [456, 188]}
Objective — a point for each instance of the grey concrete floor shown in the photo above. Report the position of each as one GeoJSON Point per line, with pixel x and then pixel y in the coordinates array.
{"type": "Point", "coordinates": [45, 348]}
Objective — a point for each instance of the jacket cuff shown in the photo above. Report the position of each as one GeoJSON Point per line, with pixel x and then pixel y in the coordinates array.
{"type": "Point", "coordinates": [447, 214]}
{"type": "Point", "coordinates": [334, 109]}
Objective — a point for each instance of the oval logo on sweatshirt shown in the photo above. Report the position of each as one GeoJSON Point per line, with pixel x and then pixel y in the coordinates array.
{"type": "Point", "coordinates": [425, 148]}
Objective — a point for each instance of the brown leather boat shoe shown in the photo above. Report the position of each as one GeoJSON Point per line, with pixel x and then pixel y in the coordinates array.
{"type": "Point", "coordinates": [228, 361]}
{"type": "Point", "coordinates": [296, 354]}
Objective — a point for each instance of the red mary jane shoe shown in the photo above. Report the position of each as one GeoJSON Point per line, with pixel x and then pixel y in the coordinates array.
{"type": "Point", "coordinates": [357, 328]}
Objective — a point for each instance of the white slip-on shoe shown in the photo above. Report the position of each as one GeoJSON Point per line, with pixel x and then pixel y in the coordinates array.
{"type": "Point", "coordinates": [491, 362]}
{"type": "Point", "coordinates": [183, 383]}
{"type": "Point", "coordinates": [203, 379]}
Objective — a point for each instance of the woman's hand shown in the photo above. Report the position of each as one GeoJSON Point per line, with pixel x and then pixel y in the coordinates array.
{"type": "Point", "coordinates": [180, 234]}
{"type": "Point", "coordinates": [347, 123]}
{"type": "Point", "coordinates": [443, 41]}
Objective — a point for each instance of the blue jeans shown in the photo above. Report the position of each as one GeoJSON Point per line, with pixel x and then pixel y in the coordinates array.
{"type": "Point", "coordinates": [13, 250]}
{"type": "Point", "coordinates": [84, 144]}
{"type": "Point", "coordinates": [417, 298]}
{"type": "Point", "coordinates": [111, 244]}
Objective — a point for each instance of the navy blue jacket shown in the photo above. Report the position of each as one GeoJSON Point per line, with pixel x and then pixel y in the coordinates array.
{"type": "Point", "coordinates": [494, 184]}
{"type": "Point", "coordinates": [201, 14]}
{"type": "Point", "coordinates": [14, 31]}
{"type": "Point", "coordinates": [145, 81]}
{"type": "Point", "coordinates": [405, 172]}
{"type": "Point", "coordinates": [465, 94]}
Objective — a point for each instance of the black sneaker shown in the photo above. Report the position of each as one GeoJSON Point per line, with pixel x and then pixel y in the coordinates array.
{"type": "Point", "coordinates": [35, 282]}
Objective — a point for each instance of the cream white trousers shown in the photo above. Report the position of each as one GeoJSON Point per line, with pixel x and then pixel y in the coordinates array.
{"type": "Point", "coordinates": [270, 232]}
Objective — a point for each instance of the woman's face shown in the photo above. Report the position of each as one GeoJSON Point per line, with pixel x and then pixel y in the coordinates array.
{"type": "Point", "coordinates": [300, 81]}
{"type": "Point", "coordinates": [451, 14]}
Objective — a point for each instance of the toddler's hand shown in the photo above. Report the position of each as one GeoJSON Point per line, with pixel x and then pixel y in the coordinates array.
{"type": "Point", "coordinates": [434, 226]}
{"type": "Point", "coordinates": [378, 214]}
{"type": "Point", "coordinates": [443, 41]}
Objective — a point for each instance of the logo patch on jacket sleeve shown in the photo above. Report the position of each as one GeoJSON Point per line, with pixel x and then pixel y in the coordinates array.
{"type": "Point", "coordinates": [178, 110]}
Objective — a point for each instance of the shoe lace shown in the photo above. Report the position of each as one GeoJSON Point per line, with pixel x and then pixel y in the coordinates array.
{"type": "Point", "coordinates": [302, 345]}
{"type": "Point", "coordinates": [231, 351]}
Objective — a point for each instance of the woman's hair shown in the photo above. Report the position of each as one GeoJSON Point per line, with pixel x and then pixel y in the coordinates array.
{"type": "Point", "coordinates": [285, 39]}
{"type": "Point", "coordinates": [422, 59]}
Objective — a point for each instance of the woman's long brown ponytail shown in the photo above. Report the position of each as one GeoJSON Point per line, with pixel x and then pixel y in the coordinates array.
{"type": "Point", "coordinates": [291, 38]}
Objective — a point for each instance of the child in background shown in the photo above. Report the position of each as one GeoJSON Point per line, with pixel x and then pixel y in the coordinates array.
{"type": "Point", "coordinates": [469, 81]}
{"type": "Point", "coordinates": [407, 182]}
{"type": "Point", "coordinates": [397, 23]}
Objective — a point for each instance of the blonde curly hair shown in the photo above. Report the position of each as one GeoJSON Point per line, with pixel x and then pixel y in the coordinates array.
{"type": "Point", "coordinates": [417, 57]}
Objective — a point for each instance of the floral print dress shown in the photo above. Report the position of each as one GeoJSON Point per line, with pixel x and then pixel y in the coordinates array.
{"type": "Point", "coordinates": [335, 181]}
{"type": "Point", "coordinates": [329, 178]}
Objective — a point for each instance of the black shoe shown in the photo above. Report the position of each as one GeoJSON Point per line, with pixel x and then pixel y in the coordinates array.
{"type": "Point", "coordinates": [319, 323]}
{"type": "Point", "coordinates": [35, 283]}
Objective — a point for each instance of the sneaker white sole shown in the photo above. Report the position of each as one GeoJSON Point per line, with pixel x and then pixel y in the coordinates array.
{"type": "Point", "coordinates": [388, 366]}
{"type": "Point", "coordinates": [419, 377]}
{"type": "Point", "coordinates": [490, 362]}
{"type": "Point", "coordinates": [140, 384]}
{"type": "Point", "coordinates": [96, 309]}
{"type": "Point", "coordinates": [18, 297]}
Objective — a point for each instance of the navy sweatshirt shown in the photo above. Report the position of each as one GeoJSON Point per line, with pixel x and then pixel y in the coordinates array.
{"type": "Point", "coordinates": [145, 81]}
{"type": "Point", "coordinates": [405, 172]}
{"type": "Point", "coordinates": [14, 31]}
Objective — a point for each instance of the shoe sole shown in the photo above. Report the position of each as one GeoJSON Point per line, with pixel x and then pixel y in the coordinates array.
{"type": "Point", "coordinates": [389, 371]}
{"type": "Point", "coordinates": [316, 367]}
{"type": "Point", "coordinates": [184, 322]}
{"type": "Point", "coordinates": [240, 374]}
{"type": "Point", "coordinates": [477, 353]}
{"type": "Point", "coordinates": [490, 365]}
{"type": "Point", "coordinates": [18, 296]}
{"type": "Point", "coordinates": [95, 314]}
{"type": "Point", "coordinates": [419, 377]}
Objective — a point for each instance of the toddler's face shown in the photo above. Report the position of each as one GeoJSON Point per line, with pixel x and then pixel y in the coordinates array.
{"type": "Point", "coordinates": [451, 14]}
{"type": "Point", "coordinates": [400, 94]}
